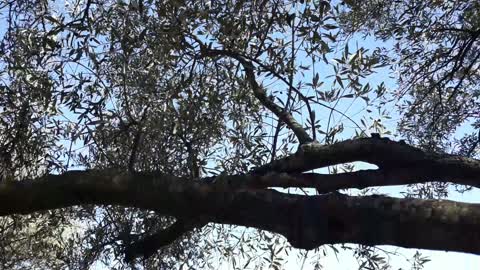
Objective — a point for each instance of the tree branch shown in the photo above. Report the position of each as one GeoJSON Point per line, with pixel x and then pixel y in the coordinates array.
{"type": "Point", "coordinates": [379, 151]}
{"type": "Point", "coordinates": [306, 221]}
{"type": "Point", "coordinates": [260, 94]}
{"type": "Point", "coordinates": [325, 183]}
{"type": "Point", "coordinates": [148, 245]}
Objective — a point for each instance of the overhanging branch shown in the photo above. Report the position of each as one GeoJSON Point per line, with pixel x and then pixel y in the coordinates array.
{"type": "Point", "coordinates": [325, 183]}
{"type": "Point", "coordinates": [306, 221]}
{"type": "Point", "coordinates": [384, 153]}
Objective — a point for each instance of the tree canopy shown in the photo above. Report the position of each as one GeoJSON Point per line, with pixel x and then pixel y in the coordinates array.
{"type": "Point", "coordinates": [184, 134]}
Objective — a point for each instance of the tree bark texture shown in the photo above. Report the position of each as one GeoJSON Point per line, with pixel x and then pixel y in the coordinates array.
{"type": "Point", "coordinates": [306, 221]}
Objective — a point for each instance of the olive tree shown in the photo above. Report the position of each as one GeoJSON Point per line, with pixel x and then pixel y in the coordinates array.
{"type": "Point", "coordinates": [150, 133]}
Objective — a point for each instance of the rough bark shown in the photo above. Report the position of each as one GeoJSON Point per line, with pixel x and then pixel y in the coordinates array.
{"type": "Point", "coordinates": [386, 154]}
{"type": "Point", "coordinates": [306, 221]}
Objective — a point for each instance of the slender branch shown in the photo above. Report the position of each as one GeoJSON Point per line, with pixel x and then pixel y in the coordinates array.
{"type": "Point", "coordinates": [251, 60]}
{"type": "Point", "coordinates": [289, 99]}
{"type": "Point", "coordinates": [260, 94]}
{"type": "Point", "coordinates": [275, 140]}
{"type": "Point", "coordinates": [136, 143]}
{"type": "Point", "coordinates": [85, 12]}
{"type": "Point", "coordinates": [269, 26]}
{"type": "Point", "coordinates": [192, 159]}
{"type": "Point", "coordinates": [302, 97]}
{"type": "Point", "coordinates": [137, 140]}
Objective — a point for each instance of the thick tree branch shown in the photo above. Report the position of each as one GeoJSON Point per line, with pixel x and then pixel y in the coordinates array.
{"type": "Point", "coordinates": [306, 221]}
{"type": "Point", "coordinates": [325, 183]}
{"type": "Point", "coordinates": [382, 152]}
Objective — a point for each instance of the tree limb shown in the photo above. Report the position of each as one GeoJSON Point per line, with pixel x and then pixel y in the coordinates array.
{"type": "Point", "coordinates": [325, 183]}
{"type": "Point", "coordinates": [306, 221]}
{"type": "Point", "coordinates": [260, 94]}
{"type": "Point", "coordinates": [379, 151]}
{"type": "Point", "coordinates": [148, 245]}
